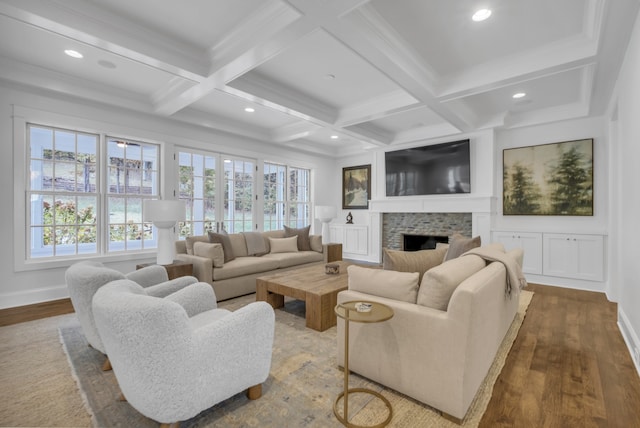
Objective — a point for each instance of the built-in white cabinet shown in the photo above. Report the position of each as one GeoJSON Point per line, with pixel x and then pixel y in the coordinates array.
{"type": "Point", "coordinates": [354, 238]}
{"type": "Point", "coordinates": [530, 242]}
{"type": "Point", "coordinates": [573, 256]}
{"type": "Point", "coordinates": [565, 255]}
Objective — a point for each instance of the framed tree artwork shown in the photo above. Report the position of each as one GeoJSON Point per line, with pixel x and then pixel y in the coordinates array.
{"type": "Point", "coordinates": [549, 179]}
{"type": "Point", "coordinates": [356, 187]}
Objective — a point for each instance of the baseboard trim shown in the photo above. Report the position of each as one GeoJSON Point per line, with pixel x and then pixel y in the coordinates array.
{"type": "Point", "coordinates": [35, 311]}
{"type": "Point", "coordinates": [630, 337]}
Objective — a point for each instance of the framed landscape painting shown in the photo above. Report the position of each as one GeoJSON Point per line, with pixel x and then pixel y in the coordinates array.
{"type": "Point", "coordinates": [549, 179]}
{"type": "Point", "coordinates": [356, 187]}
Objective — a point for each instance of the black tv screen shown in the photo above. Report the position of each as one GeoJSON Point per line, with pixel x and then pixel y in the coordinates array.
{"type": "Point", "coordinates": [429, 170]}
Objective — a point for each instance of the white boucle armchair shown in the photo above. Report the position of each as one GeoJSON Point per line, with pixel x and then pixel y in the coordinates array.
{"type": "Point", "coordinates": [170, 366]}
{"type": "Point", "coordinates": [86, 277]}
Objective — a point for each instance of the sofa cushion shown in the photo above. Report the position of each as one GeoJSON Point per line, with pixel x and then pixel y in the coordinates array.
{"type": "Point", "coordinates": [303, 237]}
{"type": "Point", "coordinates": [459, 244]}
{"type": "Point", "coordinates": [210, 251]}
{"type": "Point", "coordinates": [401, 286]}
{"type": "Point", "coordinates": [286, 260]}
{"type": "Point", "coordinates": [439, 283]}
{"type": "Point", "coordinates": [412, 261]}
{"type": "Point", "coordinates": [190, 240]}
{"type": "Point", "coordinates": [238, 244]}
{"type": "Point", "coordinates": [244, 266]}
{"type": "Point", "coordinates": [316, 243]}
{"type": "Point", "coordinates": [283, 245]}
{"type": "Point", "coordinates": [223, 239]}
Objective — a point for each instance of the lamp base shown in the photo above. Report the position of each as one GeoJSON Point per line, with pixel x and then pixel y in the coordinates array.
{"type": "Point", "coordinates": [165, 245]}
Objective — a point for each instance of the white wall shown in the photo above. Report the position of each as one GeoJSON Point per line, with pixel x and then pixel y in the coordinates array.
{"type": "Point", "coordinates": [19, 288]}
{"type": "Point", "coordinates": [627, 208]}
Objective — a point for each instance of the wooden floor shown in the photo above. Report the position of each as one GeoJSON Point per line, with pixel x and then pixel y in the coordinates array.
{"type": "Point", "coordinates": [568, 367]}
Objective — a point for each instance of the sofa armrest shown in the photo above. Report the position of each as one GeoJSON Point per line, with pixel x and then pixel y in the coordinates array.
{"type": "Point", "coordinates": [195, 298]}
{"type": "Point", "coordinates": [168, 287]}
{"type": "Point", "coordinates": [202, 267]}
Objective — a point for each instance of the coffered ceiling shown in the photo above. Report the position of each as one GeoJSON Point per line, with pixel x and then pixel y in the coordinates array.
{"type": "Point", "coordinates": [369, 74]}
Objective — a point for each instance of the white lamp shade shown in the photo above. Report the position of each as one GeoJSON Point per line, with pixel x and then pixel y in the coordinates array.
{"type": "Point", "coordinates": [164, 214]}
{"type": "Point", "coordinates": [157, 210]}
{"type": "Point", "coordinates": [325, 213]}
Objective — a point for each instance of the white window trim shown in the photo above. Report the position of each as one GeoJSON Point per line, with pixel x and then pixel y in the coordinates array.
{"type": "Point", "coordinates": [22, 116]}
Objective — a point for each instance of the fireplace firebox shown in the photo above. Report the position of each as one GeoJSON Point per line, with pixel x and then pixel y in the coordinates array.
{"type": "Point", "coordinates": [411, 242]}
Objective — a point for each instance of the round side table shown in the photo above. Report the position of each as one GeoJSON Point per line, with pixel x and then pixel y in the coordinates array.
{"type": "Point", "coordinates": [379, 312]}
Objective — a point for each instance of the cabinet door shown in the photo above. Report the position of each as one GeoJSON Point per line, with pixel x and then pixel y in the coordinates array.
{"type": "Point", "coordinates": [531, 244]}
{"type": "Point", "coordinates": [355, 240]}
{"type": "Point", "coordinates": [574, 256]}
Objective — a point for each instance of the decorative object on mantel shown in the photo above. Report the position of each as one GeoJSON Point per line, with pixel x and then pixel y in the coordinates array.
{"type": "Point", "coordinates": [549, 179]}
{"type": "Point", "coordinates": [356, 187]}
{"type": "Point", "coordinates": [332, 269]}
{"type": "Point", "coordinates": [349, 218]}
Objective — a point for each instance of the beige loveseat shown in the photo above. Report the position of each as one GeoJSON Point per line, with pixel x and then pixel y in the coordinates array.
{"type": "Point", "coordinates": [437, 356]}
{"type": "Point", "coordinates": [238, 277]}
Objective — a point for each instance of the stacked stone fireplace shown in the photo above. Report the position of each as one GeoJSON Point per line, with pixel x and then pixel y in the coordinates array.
{"type": "Point", "coordinates": [424, 228]}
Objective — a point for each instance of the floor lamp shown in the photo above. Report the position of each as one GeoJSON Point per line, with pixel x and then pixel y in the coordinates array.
{"type": "Point", "coordinates": [164, 213]}
{"type": "Point", "coordinates": [325, 213]}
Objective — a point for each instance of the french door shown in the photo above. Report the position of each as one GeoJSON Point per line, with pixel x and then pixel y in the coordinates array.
{"type": "Point", "coordinates": [219, 191]}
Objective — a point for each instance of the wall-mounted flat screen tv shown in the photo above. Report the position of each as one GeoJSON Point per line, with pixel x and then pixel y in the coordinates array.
{"type": "Point", "coordinates": [429, 170]}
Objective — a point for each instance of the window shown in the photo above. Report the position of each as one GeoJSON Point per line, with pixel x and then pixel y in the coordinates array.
{"type": "Point", "coordinates": [287, 196]}
{"type": "Point", "coordinates": [66, 194]}
{"type": "Point", "coordinates": [132, 177]}
{"type": "Point", "coordinates": [215, 201]}
{"type": "Point", "coordinates": [63, 198]}
{"type": "Point", "coordinates": [197, 176]}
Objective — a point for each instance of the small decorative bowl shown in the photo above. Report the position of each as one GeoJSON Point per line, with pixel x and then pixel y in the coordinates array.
{"type": "Point", "coordinates": [332, 269]}
{"type": "Point", "coordinates": [363, 307]}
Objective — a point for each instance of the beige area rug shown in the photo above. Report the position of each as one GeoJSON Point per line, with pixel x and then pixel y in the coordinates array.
{"type": "Point", "coordinates": [299, 392]}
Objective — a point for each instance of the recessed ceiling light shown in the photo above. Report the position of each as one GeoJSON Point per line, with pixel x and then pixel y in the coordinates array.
{"type": "Point", "coordinates": [334, 137]}
{"type": "Point", "coordinates": [249, 109]}
{"type": "Point", "coordinates": [106, 64]}
{"type": "Point", "coordinates": [73, 54]}
{"type": "Point", "coordinates": [481, 15]}
{"type": "Point", "coordinates": [519, 95]}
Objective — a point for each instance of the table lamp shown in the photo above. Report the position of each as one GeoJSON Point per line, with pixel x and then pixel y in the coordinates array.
{"type": "Point", "coordinates": [325, 213]}
{"type": "Point", "coordinates": [164, 213]}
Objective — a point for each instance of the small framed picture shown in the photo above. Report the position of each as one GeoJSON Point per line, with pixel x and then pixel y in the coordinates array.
{"type": "Point", "coordinates": [356, 187]}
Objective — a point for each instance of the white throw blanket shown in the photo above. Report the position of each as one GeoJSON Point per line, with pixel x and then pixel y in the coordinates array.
{"type": "Point", "coordinates": [514, 270]}
{"type": "Point", "coordinates": [255, 243]}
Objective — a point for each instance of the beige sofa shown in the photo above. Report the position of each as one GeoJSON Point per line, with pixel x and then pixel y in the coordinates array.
{"type": "Point", "coordinates": [437, 356]}
{"type": "Point", "coordinates": [238, 276]}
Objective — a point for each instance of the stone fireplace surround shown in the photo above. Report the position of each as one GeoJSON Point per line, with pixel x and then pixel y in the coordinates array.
{"type": "Point", "coordinates": [395, 225]}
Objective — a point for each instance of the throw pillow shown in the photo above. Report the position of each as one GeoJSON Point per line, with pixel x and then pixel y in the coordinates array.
{"type": "Point", "coordinates": [303, 237]}
{"type": "Point", "coordinates": [210, 251]}
{"type": "Point", "coordinates": [412, 261]}
{"type": "Point", "coordinates": [223, 239]}
{"type": "Point", "coordinates": [284, 245]}
{"type": "Point", "coordinates": [459, 244]}
{"type": "Point", "coordinates": [439, 283]}
{"type": "Point", "coordinates": [190, 240]}
{"type": "Point", "coordinates": [394, 285]}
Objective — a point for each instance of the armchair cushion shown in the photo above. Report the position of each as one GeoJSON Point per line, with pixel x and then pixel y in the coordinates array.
{"type": "Point", "coordinates": [384, 283]}
{"type": "Point", "coordinates": [148, 275]}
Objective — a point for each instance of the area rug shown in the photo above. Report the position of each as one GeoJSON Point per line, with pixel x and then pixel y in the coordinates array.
{"type": "Point", "coordinates": [302, 386]}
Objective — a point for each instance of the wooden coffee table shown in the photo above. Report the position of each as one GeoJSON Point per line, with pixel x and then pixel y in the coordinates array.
{"type": "Point", "coordinates": [311, 284]}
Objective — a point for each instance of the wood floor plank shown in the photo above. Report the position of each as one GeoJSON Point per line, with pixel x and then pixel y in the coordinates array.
{"type": "Point", "coordinates": [569, 367]}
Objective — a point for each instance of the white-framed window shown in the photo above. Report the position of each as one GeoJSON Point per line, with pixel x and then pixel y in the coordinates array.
{"type": "Point", "coordinates": [287, 196]}
{"type": "Point", "coordinates": [84, 193]}
{"type": "Point", "coordinates": [216, 201]}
